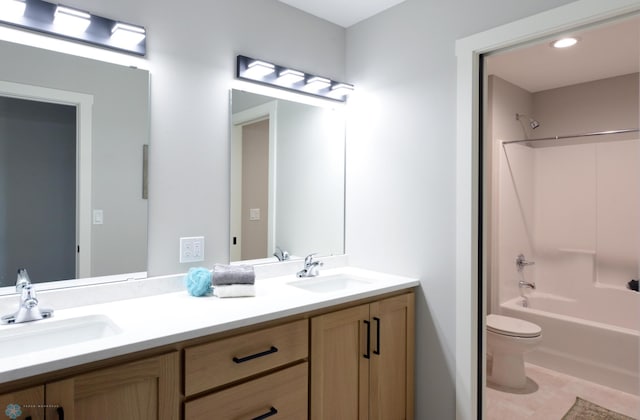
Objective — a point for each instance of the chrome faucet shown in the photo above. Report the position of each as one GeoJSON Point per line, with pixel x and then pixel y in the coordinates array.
{"type": "Point", "coordinates": [281, 255]}
{"type": "Point", "coordinates": [28, 309]}
{"type": "Point", "coordinates": [521, 262]}
{"type": "Point", "coordinates": [310, 267]}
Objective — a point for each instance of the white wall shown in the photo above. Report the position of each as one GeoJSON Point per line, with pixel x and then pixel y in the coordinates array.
{"type": "Point", "coordinates": [401, 164]}
{"type": "Point", "coordinates": [511, 200]}
{"type": "Point", "coordinates": [310, 179]}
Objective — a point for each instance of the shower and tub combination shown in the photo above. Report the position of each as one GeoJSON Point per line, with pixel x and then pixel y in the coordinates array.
{"type": "Point", "coordinates": [571, 204]}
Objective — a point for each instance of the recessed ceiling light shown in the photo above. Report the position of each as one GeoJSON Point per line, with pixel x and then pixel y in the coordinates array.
{"type": "Point", "coordinates": [564, 42]}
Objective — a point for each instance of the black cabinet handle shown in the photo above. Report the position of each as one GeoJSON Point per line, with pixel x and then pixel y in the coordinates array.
{"type": "Point", "coordinates": [60, 412]}
{"type": "Point", "coordinates": [272, 412]}
{"type": "Point", "coordinates": [255, 356]}
{"type": "Point", "coordinates": [367, 355]}
{"type": "Point", "coordinates": [377, 350]}
{"type": "Point", "coordinates": [28, 418]}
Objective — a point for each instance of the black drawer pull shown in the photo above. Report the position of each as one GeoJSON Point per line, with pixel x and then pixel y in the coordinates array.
{"type": "Point", "coordinates": [60, 412]}
{"type": "Point", "coordinates": [377, 350]}
{"type": "Point", "coordinates": [255, 356]}
{"type": "Point", "coordinates": [272, 412]}
{"type": "Point", "coordinates": [367, 355]}
{"type": "Point", "coordinates": [28, 418]}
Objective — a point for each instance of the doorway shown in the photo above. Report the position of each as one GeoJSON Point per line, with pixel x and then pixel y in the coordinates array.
{"type": "Point", "coordinates": [69, 208]}
{"type": "Point", "coordinates": [252, 209]}
{"type": "Point", "coordinates": [561, 153]}
{"type": "Point", "coordinates": [38, 189]}
{"type": "Point", "coordinates": [470, 325]}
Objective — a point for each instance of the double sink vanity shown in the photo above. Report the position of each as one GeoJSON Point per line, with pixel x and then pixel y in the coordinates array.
{"type": "Point", "coordinates": [338, 345]}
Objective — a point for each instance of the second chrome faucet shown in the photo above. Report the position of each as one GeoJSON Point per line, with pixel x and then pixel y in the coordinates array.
{"type": "Point", "coordinates": [310, 267]}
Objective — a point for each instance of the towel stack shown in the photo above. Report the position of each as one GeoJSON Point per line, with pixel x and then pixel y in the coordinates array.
{"type": "Point", "coordinates": [233, 281]}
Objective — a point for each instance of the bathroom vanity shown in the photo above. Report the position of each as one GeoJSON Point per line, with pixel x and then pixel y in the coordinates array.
{"type": "Point", "coordinates": [339, 345]}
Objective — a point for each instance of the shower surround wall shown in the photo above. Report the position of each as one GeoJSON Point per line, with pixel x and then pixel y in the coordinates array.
{"type": "Point", "coordinates": [570, 207]}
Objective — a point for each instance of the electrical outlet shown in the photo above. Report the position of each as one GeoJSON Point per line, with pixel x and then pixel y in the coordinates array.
{"type": "Point", "coordinates": [192, 249]}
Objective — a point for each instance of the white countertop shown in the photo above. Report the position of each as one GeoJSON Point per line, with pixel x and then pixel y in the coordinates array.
{"type": "Point", "coordinates": [153, 321]}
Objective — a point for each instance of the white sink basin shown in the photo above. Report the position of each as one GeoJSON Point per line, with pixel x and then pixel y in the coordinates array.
{"type": "Point", "coordinates": [46, 334]}
{"type": "Point", "coordinates": [332, 283]}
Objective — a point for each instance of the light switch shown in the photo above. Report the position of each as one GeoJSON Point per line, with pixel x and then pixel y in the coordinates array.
{"type": "Point", "coordinates": [254, 214]}
{"type": "Point", "coordinates": [98, 217]}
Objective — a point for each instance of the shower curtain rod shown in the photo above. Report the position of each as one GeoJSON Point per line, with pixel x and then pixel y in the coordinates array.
{"type": "Point", "coordinates": [571, 136]}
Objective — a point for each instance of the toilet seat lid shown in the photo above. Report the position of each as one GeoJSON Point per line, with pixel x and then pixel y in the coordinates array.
{"type": "Point", "coordinates": [513, 327]}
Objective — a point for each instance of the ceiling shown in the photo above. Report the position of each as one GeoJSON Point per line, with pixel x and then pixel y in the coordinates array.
{"type": "Point", "coordinates": [604, 51]}
{"type": "Point", "coordinates": [342, 12]}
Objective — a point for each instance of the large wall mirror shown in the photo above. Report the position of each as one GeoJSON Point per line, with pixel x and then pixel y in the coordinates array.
{"type": "Point", "coordinates": [287, 178]}
{"type": "Point", "coordinates": [73, 135]}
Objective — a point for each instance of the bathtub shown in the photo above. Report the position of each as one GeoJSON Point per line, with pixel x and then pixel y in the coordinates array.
{"type": "Point", "coordinates": [597, 341]}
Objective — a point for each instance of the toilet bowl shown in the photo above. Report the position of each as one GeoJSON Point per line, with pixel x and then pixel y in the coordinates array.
{"type": "Point", "coordinates": [508, 339]}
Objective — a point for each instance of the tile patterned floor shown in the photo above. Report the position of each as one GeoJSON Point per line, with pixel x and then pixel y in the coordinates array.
{"type": "Point", "coordinates": [550, 394]}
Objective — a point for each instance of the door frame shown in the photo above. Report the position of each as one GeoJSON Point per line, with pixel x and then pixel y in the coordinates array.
{"type": "Point", "coordinates": [470, 269]}
{"type": "Point", "coordinates": [84, 108]}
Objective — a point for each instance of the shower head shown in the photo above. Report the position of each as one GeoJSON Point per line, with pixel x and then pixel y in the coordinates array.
{"type": "Point", "coordinates": [532, 123]}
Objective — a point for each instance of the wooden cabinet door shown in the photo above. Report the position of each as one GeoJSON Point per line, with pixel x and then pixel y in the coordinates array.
{"type": "Point", "coordinates": [339, 370]}
{"type": "Point", "coordinates": [147, 389]}
{"type": "Point", "coordinates": [391, 370]}
{"type": "Point", "coordinates": [28, 402]}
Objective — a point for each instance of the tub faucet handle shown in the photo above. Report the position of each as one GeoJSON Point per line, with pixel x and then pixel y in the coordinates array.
{"type": "Point", "coordinates": [521, 262]}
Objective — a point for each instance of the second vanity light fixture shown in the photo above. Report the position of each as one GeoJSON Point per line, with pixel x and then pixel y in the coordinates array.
{"type": "Point", "coordinates": [74, 24]}
{"type": "Point", "coordinates": [248, 68]}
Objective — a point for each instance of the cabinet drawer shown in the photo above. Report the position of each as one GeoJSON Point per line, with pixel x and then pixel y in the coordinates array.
{"type": "Point", "coordinates": [214, 364]}
{"type": "Point", "coordinates": [282, 395]}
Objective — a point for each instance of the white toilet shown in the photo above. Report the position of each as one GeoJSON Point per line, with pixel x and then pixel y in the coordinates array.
{"type": "Point", "coordinates": [507, 341]}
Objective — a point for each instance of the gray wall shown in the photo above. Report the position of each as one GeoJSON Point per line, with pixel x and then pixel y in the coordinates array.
{"type": "Point", "coordinates": [401, 163]}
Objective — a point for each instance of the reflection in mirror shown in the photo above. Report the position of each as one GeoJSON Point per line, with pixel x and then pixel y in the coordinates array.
{"type": "Point", "coordinates": [72, 132]}
{"type": "Point", "coordinates": [287, 178]}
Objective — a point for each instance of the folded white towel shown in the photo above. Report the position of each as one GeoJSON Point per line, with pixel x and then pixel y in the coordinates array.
{"type": "Point", "coordinates": [234, 290]}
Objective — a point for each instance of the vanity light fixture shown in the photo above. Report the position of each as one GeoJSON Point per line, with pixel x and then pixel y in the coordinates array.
{"type": "Point", "coordinates": [12, 8]}
{"type": "Point", "coordinates": [127, 35]}
{"type": "Point", "coordinates": [565, 42]}
{"type": "Point", "coordinates": [317, 83]}
{"type": "Point", "coordinates": [260, 71]}
{"type": "Point", "coordinates": [290, 77]}
{"type": "Point", "coordinates": [73, 25]}
{"type": "Point", "coordinates": [72, 21]}
{"type": "Point", "coordinates": [341, 89]}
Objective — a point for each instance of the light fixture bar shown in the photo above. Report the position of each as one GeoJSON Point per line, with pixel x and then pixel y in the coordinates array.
{"type": "Point", "coordinates": [73, 25]}
{"type": "Point", "coordinates": [260, 71]}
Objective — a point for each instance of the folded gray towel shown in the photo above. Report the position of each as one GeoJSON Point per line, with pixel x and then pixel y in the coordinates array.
{"type": "Point", "coordinates": [233, 274]}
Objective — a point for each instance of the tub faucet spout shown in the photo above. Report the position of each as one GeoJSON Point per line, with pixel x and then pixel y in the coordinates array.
{"type": "Point", "coordinates": [523, 283]}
